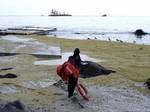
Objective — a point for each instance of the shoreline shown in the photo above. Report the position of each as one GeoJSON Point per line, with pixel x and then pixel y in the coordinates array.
{"type": "Point", "coordinates": [128, 37]}
{"type": "Point", "coordinates": [113, 28]}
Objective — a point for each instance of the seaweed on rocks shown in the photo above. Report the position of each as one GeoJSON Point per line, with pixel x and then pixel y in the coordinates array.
{"type": "Point", "coordinates": [8, 54]}
{"type": "Point", "coordinates": [6, 68]}
{"type": "Point", "coordinates": [8, 75]}
{"type": "Point", "coordinates": [140, 32]}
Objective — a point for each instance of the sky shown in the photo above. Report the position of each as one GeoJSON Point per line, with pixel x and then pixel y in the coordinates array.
{"type": "Point", "coordinates": [76, 7]}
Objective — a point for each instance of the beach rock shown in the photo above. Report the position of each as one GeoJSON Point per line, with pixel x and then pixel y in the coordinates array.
{"type": "Point", "coordinates": [6, 68]}
{"type": "Point", "coordinates": [92, 69]}
{"type": "Point", "coordinates": [16, 106]}
{"type": "Point", "coordinates": [61, 84]}
{"type": "Point", "coordinates": [9, 75]}
{"type": "Point", "coordinates": [147, 83]}
{"type": "Point", "coordinates": [139, 32]}
{"type": "Point", "coordinates": [7, 54]}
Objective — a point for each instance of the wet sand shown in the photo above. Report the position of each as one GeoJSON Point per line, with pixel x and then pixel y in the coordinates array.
{"type": "Point", "coordinates": [103, 99]}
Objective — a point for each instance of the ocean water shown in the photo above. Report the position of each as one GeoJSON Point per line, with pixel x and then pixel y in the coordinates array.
{"type": "Point", "coordinates": [86, 27]}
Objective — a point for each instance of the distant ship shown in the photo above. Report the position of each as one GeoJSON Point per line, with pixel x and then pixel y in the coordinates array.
{"type": "Point", "coordinates": [57, 13]}
{"type": "Point", "coordinates": [104, 15]}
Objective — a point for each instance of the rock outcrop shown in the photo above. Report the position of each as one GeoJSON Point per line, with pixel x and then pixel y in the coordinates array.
{"type": "Point", "coordinates": [147, 83]}
{"type": "Point", "coordinates": [8, 75]}
{"type": "Point", "coordinates": [15, 106]}
{"type": "Point", "coordinates": [139, 32]}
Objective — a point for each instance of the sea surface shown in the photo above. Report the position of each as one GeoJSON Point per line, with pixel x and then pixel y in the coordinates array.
{"type": "Point", "coordinates": [112, 28]}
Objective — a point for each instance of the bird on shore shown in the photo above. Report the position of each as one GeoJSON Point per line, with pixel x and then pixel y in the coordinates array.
{"type": "Point", "coordinates": [117, 40]}
{"type": "Point", "coordinates": [120, 41]}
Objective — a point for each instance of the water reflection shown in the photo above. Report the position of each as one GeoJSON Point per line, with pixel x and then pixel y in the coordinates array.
{"type": "Point", "coordinates": [64, 58]}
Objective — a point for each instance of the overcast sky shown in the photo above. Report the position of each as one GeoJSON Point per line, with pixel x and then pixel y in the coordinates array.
{"type": "Point", "coordinates": [76, 7]}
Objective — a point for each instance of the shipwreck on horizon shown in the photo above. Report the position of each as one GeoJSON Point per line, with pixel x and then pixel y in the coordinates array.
{"type": "Point", "coordinates": [57, 13]}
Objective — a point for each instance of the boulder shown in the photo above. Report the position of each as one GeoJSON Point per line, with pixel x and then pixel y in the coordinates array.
{"type": "Point", "coordinates": [8, 75]}
{"type": "Point", "coordinates": [15, 106]}
{"type": "Point", "coordinates": [139, 32]}
{"type": "Point", "coordinates": [7, 68]}
{"type": "Point", "coordinates": [147, 83]}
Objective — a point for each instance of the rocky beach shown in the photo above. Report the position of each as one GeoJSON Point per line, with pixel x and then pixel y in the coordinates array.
{"type": "Point", "coordinates": [28, 80]}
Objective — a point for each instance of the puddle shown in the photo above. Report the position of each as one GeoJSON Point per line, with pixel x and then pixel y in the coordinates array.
{"type": "Point", "coordinates": [65, 58]}
{"type": "Point", "coordinates": [17, 48]}
{"type": "Point", "coordinates": [8, 75]}
{"type": "Point", "coordinates": [53, 50]}
{"type": "Point", "coordinates": [29, 46]}
{"type": "Point", "coordinates": [7, 89]}
{"type": "Point", "coordinates": [38, 84]}
{"type": "Point", "coordinates": [6, 68]}
{"type": "Point", "coordinates": [2, 50]}
{"type": "Point", "coordinates": [15, 106]}
{"type": "Point", "coordinates": [16, 39]}
{"type": "Point", "coordinates": [8, 59]}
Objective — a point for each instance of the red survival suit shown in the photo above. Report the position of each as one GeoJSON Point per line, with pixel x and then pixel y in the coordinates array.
{"type": "Point", "coordinates": [66, 69]}
{"type": "Point", "coordinates": [71, 69]}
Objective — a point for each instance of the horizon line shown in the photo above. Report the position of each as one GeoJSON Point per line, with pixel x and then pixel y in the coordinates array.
{"type": "Point", "coordinates": [77, 15]}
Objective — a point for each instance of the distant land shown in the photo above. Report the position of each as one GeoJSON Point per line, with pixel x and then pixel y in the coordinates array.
{"type": "Point", "coordinates": [58, 13]}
